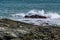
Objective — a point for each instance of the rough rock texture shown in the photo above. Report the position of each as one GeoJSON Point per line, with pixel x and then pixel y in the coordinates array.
{"type": "Point", "coordinates": [14, 30]}
{"type": "Point", "coordinates": [35, 16]}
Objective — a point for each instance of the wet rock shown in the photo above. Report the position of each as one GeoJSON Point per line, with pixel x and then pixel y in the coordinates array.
{"type": "Point", "coordinates": [35, 16]}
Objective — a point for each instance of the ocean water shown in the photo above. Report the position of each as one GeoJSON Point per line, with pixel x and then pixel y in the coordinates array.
{"type": "Point", "coordinates": [17, 9]}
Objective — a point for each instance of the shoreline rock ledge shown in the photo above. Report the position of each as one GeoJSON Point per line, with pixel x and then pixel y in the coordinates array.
{"type": "Point", "coordinates": [15, 30]}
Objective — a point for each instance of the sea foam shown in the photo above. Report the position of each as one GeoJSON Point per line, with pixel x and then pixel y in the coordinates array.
{"type": "Point", "coordinates": [53, 18]}
{"type": "Point", "coordinates": [37, 12]}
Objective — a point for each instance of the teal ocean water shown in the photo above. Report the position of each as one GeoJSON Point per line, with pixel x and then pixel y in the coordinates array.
{"type": "Point", "coordinates": [12, 7]}
{"type": "Point", "coordinates": [17, 9]}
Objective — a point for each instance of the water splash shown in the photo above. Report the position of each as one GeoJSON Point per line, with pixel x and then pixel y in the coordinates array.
{"type": "Point", "coordinates": [37, 12]}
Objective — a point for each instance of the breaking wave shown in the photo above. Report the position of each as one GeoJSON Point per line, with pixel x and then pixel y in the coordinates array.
{"type": "Point", "coordinates": [37, 12]}
{"type": "Point", "coordinates": [53, 18]}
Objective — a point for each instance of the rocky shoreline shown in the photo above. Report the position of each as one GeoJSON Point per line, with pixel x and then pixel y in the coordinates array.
{"type": "Point", "coordinates": [15, 30]}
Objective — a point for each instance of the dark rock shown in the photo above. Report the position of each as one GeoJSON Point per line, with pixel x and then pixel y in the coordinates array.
{"type": "Point", "coordinates": [35, 16]}
{"type": "Point", "coordinates": [7, 38]}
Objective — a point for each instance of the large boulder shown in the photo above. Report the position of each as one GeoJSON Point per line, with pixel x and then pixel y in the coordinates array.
{"type": "Point", "coordinates": [35, 16]}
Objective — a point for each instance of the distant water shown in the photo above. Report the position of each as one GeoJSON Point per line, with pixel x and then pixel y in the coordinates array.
{"type": "Point", "coordinates": [17, 9]}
